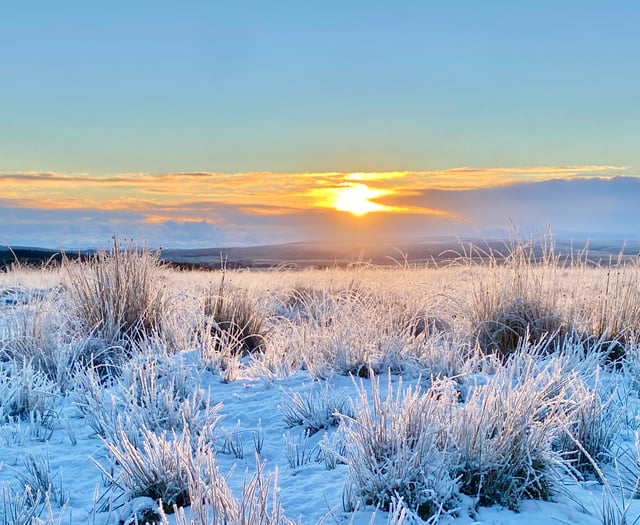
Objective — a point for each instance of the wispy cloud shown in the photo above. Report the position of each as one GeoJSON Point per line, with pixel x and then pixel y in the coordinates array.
{"type": "Point", "coordinates": [289, 191]}
{"type": "Point", "coordinates": [202, 208]}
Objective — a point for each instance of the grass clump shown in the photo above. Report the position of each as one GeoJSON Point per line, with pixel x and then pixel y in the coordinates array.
{"type": "Point", "coordinates": [117, 294]}
{"type": "Point", "coordinates": [315, 409]}
{"type": "Point", "coordinates": [397, 448]}
{"type": "Point", "coordinates": [516, 299]}
{"type": "Point", "coordinates": [507, 428]}
{"type": "Point", "coordinates": [613, 311]}
{"type": "Point", "coordinates": [517, 321]}
{"type": "Point", "coordinates": [160, 468]}
{"type": "Point", "coordinates": [234, 322]}
{"type": "Point", "coordinates": [25, 392]}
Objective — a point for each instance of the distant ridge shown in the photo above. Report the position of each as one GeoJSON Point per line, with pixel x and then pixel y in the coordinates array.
{"type": "Point", "coordinates": [435, 251]}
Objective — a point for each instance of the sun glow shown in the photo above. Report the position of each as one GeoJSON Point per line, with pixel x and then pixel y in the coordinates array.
{"type": "Point", "coordinates": [356, 199]}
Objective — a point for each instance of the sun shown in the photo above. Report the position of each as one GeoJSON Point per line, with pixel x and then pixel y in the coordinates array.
{"type": "Point", "coordinates": [356, 199]}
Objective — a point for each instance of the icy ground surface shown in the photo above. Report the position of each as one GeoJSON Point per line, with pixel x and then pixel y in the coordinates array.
{"type": "Point", "coordinates": [250, 412]}
{"type": "Point", "coordinates": [310, 493]}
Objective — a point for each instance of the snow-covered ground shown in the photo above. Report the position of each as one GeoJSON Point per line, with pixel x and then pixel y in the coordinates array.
{"type": "Point", "coordinates": [309, 362]}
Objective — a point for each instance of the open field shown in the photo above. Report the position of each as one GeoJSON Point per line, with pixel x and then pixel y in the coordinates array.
{"type": "Point", "coordinates": [505, 391]}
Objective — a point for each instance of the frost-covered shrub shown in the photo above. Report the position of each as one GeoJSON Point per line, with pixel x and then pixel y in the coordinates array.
{"type": "Point", "coordinates": [315, 408]}
{"type": "Point", "coordinates": [234, 323]}
{"type": "Point", "coordinates": [398, 447]}
{"type": "Point", "coordinates": [25, 392]}
{"type": "Point", "coordinates": [118, 295]}
{"type": "Point", "coordinates": [160, 467]}
{"type": "Point", "coordinates": [506, 430]}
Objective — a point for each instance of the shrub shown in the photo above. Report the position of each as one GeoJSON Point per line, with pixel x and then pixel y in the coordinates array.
{"type": "Point", "coordinates": [506, 430]}
{"type": "Point", "coordinates": [117, 294]}
{"type": "Point", "coordinates": [315, 409]}
{"type": "Point", "coordinates": [234, 321]}
{"type": "Point", "coordinates": [398, 448]}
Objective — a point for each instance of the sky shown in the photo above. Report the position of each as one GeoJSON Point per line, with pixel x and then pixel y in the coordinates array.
{"type": "Point", "coordinates": [208, 123]}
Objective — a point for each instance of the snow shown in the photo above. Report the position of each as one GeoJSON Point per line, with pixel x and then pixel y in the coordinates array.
{"type": "Point", "coordinates": [308, 493]}
{"type": "Point", "coordinates": [251, 416]}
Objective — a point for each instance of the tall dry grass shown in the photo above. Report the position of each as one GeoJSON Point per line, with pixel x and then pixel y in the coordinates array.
{"type": "Point", "coordinates": [118, 295]}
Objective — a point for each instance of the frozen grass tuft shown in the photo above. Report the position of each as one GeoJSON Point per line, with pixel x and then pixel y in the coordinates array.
{"type": "Point", "coordinates": [160, 468]}
{"type": "Point", "coordinates": [507, 428]}
{"type": "Point", "coordinates": [214, 504]}
{"type": "Point", "coordinates": [517, 297]}
{"type": "Point", "coordinates": [235, 323]}
{"type": "Point", "coordinates": [118, 295]}
{"type": "Point", "coordinates": [398, 447]}
{"type": "Point", "coordinates": [25, 392]}
{"type": "Point", "coordinates": [317, 408]}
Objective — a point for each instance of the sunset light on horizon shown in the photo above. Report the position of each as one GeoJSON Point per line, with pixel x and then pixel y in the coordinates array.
{"type": "Point", "coordinates": [244, 123]}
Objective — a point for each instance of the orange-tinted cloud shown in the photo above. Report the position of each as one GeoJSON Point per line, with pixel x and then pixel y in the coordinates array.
{"type": "Point", "coordinates": [198, 195]}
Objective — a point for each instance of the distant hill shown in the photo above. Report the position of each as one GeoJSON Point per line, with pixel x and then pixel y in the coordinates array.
{"type": "Point", "coordinates": [436, 251]}
{"type": "Point", "coordinates": [27, 256]}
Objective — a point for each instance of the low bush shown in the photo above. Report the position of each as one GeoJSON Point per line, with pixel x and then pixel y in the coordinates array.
{"type": "Point", "coordinates": [398, 447]}
{"type": "Point", "coordinates": [118, 295]}
{"type": "Point", "coordinates": [316, 408]}
{"type": "Point", "coordinates": [235, 324]}
{"type": "Point", "coordinates": [507, 428]}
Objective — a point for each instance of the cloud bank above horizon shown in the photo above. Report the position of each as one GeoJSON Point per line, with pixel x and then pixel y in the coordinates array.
{"type": "Point", "coordinates": [207, 209]}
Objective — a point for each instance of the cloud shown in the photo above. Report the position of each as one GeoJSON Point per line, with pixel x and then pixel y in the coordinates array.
{"type": "Point", "coordinates": [210, 209]}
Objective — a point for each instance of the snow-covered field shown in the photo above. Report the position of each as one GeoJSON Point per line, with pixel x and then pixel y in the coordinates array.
{"type": "Point", "coordinates": [484, 394]}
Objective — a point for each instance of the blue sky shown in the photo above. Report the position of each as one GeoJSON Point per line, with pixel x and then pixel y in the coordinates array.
{"type": "Point", "coordinates": [116, 88]}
